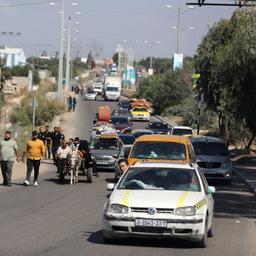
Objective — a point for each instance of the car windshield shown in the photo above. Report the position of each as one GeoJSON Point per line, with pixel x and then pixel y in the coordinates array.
{"type": "Point", "coordinates": [90, 91]}
{"type": "Point", "coordinates": [124, 104]}
{"type": "Point", "coordinates": [181, 131]}
{"type": "Point", "coordinates": [210, 148]}
{"type": "Point", "coordinates": [127, 140]}
{"type": "Point", "coordinates": [159, 150]}
{"type": "Point", "coordinates": [158, 126]}
{"type": "Point", "coordinates": [160, 179]}
{"type": "Point", "coordinates": [140, 110]}
{"type": "Point", "coordinates": [107, 144]}
{"type": "Point", "coordinates": [112, 89]}
{"type": "Point", "coordinates": [119, 120]}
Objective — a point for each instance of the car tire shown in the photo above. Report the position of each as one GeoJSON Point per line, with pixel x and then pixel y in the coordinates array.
{"type": "Point", "coordinates": [89, 175]}
{"type": "Point", "coordinates": [210, 232]}
{"type": "Point", "coordinates": [228, 182]}
{"type": "Point", "coordinates": [202, 243]}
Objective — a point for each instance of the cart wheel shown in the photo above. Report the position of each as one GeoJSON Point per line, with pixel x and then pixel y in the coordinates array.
{"type": "Point", "coordinates": [89, 175]}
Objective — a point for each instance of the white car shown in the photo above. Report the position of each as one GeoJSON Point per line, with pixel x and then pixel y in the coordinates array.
{"type": "Point", "coordinates": [160, 200]}
{"type": "Point", "coordinates": [181, 130]}
{"type": "Point", "coordinates": [90, 94]}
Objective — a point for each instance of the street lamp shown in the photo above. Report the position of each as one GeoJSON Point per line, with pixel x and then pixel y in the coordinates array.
{"type": "Point", "coordinates": [178, 25]}
{"type": "Point", "coordinates": [181, 34]}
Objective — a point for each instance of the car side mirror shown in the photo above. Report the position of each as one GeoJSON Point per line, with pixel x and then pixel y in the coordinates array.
{"type": "Point", "coordinates": [110, 186]}
{"type": "Point", "coordinates": [211, 190]}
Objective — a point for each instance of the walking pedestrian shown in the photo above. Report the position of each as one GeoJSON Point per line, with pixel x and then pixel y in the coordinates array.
{"type": "Point", "coordinates": [70, 102]}
{"type": "Point", "coordinates": [63, 154]}
{"type": "Point", "coordinates": [74, 102]}
{"type": "Point", "coordinates": [9, 152]}
{"type": "Point", "coordinates": [41, 135]}
{"type": "Point", "coordinates": [35, 151]}
{"type": "Point", "coordinates": [56, 137]}
{"type": "Point", "coordinates": [48, 138]}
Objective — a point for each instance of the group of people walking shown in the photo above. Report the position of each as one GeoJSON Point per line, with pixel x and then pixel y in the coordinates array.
{"type": "Point", "coordinates": [40, 147]}
{"type": "Point", "coordinates": [72, 102]}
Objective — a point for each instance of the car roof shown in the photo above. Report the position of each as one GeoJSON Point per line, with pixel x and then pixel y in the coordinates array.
{"type": "Point", "coordinates": [146, 164]}
{"type": "Point", "coordinates": [182, 127]}
{"type": "Point", "coordinates": [164, 138]}
{"type": "Point", "coordinates": [205, 139]}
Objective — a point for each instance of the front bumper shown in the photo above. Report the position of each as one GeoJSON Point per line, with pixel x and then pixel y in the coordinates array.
{"type": "Point", "coordinates": [140, 118]}
{"type": "Point", "coordinates": [105, 165]}
{"type": "Point", "coordinates": [217, 173]}
{"type": "Point", "coordinates": [191, 228]}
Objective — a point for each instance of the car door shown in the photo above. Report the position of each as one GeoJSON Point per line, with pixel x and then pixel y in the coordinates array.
{"type": "Point", "coordinates": [210, 201]}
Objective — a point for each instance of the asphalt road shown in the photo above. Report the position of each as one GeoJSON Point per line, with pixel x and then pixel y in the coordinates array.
{"type": "Point", "coordinates": [64, 220]}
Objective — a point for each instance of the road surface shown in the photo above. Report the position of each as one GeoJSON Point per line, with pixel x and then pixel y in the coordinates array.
{"type": "Point", "coordinates": [64, 220]}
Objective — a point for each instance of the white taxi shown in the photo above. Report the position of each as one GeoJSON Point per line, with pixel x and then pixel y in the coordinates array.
{"type": "Point", "coordinates": [160, 200]}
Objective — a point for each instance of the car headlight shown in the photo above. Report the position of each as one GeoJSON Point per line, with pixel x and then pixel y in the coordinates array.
{"type": "Point", "coordinates": [185, 211]}
{"type": "Point", "coordinates": [117, 208]}
{"type": "Point", "coordinates": [226, 164]}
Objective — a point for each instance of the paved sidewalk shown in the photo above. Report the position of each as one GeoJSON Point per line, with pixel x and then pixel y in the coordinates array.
{"type": "Point", "coordinates": [245, 167]}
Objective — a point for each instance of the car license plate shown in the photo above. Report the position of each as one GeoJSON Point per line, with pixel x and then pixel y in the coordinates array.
{"type": "Point", "coordinates": [150, 223]}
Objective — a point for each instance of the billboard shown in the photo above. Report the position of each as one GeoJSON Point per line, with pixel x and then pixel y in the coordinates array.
{"type": "Point", "coordinates": [177, 61]}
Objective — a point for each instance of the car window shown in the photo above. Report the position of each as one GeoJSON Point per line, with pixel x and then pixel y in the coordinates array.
{"type": "Point", "coordinates": [105, 144]}
{"type": "Point", "coordinates": [158, 126]}
{"type": "Point", "coordinates": [181, 131]}
{"type": "Point", "coordinates": [140, 110]}
{"type": "Point", "coordinates": [204, 181]}
{"type": "Point", "coordinates": [127, 140]}
{"type": "Point", "coordinates": [159, 150]}
{"type": "Point", "coordinates": [192, 154]}
{"type": "Point", "coordinates": [210, 148]}
{"type": "Point", "coordinates": [160, 179]}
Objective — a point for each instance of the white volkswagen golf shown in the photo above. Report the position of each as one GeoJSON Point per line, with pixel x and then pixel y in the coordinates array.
{"type": "Point", "coordinates": [160, 200]}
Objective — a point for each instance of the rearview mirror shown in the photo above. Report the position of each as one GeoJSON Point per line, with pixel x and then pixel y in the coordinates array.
{"type": "Point", "coordinates": [110, 186]}
{"type": "Point", "coordinates": [211, 190]}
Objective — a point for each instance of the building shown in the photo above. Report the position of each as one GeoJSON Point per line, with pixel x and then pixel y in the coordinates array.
{"type": "Point", "coordinates": [13, 56]}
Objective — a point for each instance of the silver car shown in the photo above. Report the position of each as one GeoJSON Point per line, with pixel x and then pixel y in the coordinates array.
{"type": "Point", "coordinates": [212, 157]}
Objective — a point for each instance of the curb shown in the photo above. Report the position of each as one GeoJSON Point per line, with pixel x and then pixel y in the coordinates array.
{"type": "Point", "coordinates": [249, 185]}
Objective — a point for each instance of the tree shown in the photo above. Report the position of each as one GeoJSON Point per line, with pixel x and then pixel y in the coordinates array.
{"type": "Point", "coordinates": [226, 60]}
{"type": "Point", "coordinates": [115, 58]}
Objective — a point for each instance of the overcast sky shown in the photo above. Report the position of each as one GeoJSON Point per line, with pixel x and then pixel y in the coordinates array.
{"type": "Point", "coordinates": [105, 24]}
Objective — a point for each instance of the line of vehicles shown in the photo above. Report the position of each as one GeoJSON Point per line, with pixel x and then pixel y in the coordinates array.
{"type": "Point", "coordinates": [108, 88]}
{"type": "Point", "coordinates": [165, 192]}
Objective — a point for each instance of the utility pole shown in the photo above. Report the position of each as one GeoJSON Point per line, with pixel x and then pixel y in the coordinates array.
{"type": "Point", "coordinates": [67, 83]}
{"type": "Point", "coordinates": [60, 77]}
{"type": "Point", "coordinates": [178, 28]}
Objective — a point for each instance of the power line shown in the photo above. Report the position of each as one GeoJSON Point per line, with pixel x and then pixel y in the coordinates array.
{"type": "Point", "coordinates": [29, 3]}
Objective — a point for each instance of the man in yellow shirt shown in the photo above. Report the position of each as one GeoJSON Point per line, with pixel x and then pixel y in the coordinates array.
{"type": "Point", "coordinates": [35, 150]}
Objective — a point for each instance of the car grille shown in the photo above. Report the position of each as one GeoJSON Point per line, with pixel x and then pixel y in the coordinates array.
{"type": "Point", "coordinates": [150, 230]}
{"type": "Point", "coordinates": [145, 210]}
{"type": "Point", "coordinates": [103, 158]}
{"type": "Point", "coordinates": [209, 165]}
{"type": "Point", "coordinates": [217, 175]}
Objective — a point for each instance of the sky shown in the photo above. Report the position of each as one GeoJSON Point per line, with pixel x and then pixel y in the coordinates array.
{"type": "Point", "coordinates": [106, 24]}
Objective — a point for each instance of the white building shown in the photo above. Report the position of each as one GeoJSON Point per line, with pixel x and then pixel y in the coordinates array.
{"type": "Point", "coordinates": [13, 56]}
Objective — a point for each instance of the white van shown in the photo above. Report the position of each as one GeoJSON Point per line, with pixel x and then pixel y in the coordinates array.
{"type": "Point", "coordinates": [112, 90]}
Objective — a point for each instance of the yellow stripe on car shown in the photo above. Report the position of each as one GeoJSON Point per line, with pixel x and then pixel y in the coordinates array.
{"type": "Point", "coordinates": [182, 199]}
{"type": "Point", "coordinates": [201, 203]}
{"type": "Point", "coordinates": [125, 200]}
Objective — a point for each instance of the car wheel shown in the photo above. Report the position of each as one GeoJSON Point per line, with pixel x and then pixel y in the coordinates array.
{"type": "Point", "coordinates": [228, 182]}
{"type": "Point", "coordinates": [89, 175]}
{"type": "Point", "coordinates": [202, 243]}
{"type": "Point", "coordinates": [210, 232]}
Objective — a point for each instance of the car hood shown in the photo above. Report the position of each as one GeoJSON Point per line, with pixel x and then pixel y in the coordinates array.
{"type": "Point", "coordinates": [100, 152]}
{"type": "Point", "coordinates": [204, 158]}
{"type": "Point", "coordinates": [155, 198]}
